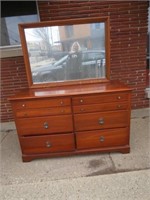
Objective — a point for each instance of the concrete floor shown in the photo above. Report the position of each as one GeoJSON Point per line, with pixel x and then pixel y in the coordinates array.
{"type": "Point", "coordinates": [85, 177]}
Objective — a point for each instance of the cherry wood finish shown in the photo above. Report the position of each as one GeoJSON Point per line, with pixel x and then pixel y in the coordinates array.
{"type": "Point", "coordinates": [100, 120]}
{"type": "Point", "coordinates": [73, 119]}
{"type": "Point", "coordinates": [44, 111]}
{"type": "Point", "coordinates": [47, 144]}
{"type": "Point", "coordinates": [45, 125]}
{"type": "Point", "coordinates": [101, 107]}
{"type": "Point", "coordinates": [102, 138]}
{"type": "Point", "coordinates": [94, 99]}
{"type": "Point", "coordinates": [42, 103]}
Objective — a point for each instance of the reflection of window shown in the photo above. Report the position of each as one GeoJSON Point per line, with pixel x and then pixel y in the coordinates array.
{"type": "Point", "coordinates": [97, 25]}
{"type": "Point", "coordinates": [13, 13]}
{"type": "Point", "coordinates": [69, 31]}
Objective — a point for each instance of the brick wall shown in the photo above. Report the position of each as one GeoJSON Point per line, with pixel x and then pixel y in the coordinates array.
{"type": "Point", "coordinates": [13, 78]}
{"type": "Point", "coordinates": [128, 41]}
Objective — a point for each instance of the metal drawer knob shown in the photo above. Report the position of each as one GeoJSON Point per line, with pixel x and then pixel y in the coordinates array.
{"type": "Point", "coordinates": [61, 102]}
{"type": "Point", "coordinates": [101, 121]}
{"type": "Point", "coordinates": [46, 125]}
{"type": "Point", "coordinates": [23, 105]}
{"type": "Point", "coordinates": [101, 138]}
{"type": "Point", "coordinates": [81, 100]}
{"type": "Point", "coordinates": [82, 109]}
{"type": "Point", "coordinates": [48, 145]}
{"type": "Point", "coordinates": [119, 97]}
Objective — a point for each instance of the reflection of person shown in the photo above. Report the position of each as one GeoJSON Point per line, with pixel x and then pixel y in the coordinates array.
{"type": "Point", "coordinates": [74, 62]}
{"type": "Point", "coordinates": [75, 47]}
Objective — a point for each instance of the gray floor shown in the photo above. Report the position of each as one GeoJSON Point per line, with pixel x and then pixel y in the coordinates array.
{"type": "Point", "coordinates": [98, 176]}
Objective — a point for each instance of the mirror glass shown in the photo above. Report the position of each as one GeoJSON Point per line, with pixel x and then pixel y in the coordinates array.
{"type": "Point", "coordinates": [59, 53]}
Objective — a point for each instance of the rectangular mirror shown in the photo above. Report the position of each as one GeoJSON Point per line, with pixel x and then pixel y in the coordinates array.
{"type": "Point", "coordinates": [66, 51]}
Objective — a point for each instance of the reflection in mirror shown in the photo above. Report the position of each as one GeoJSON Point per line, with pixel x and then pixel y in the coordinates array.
{"type": "Point", "coordinates": [66, 52]}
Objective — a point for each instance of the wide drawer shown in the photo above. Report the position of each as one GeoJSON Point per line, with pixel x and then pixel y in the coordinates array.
{"type": "Point", "coordinates": [103, 138]}
{"type": "Point", "coordinates": [100, 98]}
{"type": "Point", "coordinates": [45, 125]}
{"type": "Point", "coordinates": [101, 120]}
{"type": "Point", "coordinates": [47, 144]}
{"type": "Point", "coordinates": [41, 103]}
{"type": "Point", "coordinates": [101, 107]}
{"type": "Point", "coordinates": [43, 111]}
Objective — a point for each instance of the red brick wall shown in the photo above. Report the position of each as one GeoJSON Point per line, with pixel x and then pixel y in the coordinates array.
{"type": "Point", "coordinates": [128, 36]}
{"type": "Point", "coordinates": [128, 41]}
{"type": "Point", "coordinates": [13, 78]}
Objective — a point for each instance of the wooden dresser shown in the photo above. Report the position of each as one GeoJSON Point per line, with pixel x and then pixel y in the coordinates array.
{"type": "Point", "coordinates": [73, 119]}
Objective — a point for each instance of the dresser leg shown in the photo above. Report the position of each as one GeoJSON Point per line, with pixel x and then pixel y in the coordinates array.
{"type": "Point", "coordinates": [26, 159]}
{"type": "Point", "coordinates": [126, 150]}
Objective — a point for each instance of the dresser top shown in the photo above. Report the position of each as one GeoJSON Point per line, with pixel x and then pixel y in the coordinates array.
{"type": "Point", "coordinates": [95, 88]}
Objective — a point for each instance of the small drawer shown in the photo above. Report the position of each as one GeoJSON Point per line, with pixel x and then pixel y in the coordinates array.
{"type": "Point", "coordinates": [103, 138]}
{"type": "Point", "coordinates": [43, 112]}
{"type": "Point", "coordinates": [42, 103]}
{"type": "Point", "coordinates": [44, 125]}
{"type": "Point", "coordinates": [47, 144]}
{"type": "Point", "coordinates": [101, 107]}
{"type": "Point", "coordinates": [101, 120]}
{"type": "Point", "coordinates": [101, 98]}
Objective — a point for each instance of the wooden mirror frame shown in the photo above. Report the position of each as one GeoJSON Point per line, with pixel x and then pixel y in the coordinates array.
{"type": "Point", "coordinates": [22, 28]}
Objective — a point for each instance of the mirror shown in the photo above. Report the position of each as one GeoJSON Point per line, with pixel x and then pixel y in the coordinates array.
{"type": "Point", "coordinates": [66, 52]}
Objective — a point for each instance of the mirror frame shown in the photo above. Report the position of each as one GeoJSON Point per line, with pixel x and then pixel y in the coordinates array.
{"type": "Point", "coordinates": [77, 21]}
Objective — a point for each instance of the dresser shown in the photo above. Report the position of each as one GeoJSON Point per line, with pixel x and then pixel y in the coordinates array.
{"type": "Point", "coordinates": [73, 119]}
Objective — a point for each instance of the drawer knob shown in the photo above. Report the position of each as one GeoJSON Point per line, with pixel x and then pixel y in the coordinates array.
{"type": "Point", "coordinates": [81, 100]}
{"type": "Point", "coordinates": [46, 125]}
{"type": "Point", "coordinates": [119, 97]}
{"type": "Point", "coordinates": [82, 109]}
{"type": "Point", "coordinates": [23, 105]}
{"type": "Point", "coordinates": [48, 145]}
{"type": "Point", "coordinates": [61, 102]}
{"type": "Point", "coordinates": [101, 138]}
{"type": "Point", "coordinates": [101, 121]}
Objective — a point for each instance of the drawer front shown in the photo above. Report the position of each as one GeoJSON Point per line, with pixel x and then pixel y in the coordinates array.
{"type": "Point", "coordinates": [43, 103]}
{"type": "Point", "coordinates": [101, 120]}
{"type": "Point", "coordinates": [43, 111]}
{"type": "Point", "coordinates": [101, 107]}
{"type": "Point", "coordinates": [101, 98]}
{"type": "Point", "coordinates": [47, 144]}
{"type": "Point", "coordinates": [103, 138]}
{"type": "Point", "coordinates": [45, 125]}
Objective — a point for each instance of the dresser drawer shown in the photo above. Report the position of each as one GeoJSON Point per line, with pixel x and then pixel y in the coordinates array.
{"type": "Point", "coordinates": [101, 107]}
{"type": "Point", "coordinates": [45, 125]}
{"type": "Point", "coordinates": [101, 120]}
{"type": "Point", "coordinates": [42, 103]}
{"type": "Point", "coordinates": [103, 138]}
{"type": "Point", "coordinates": [43, 111]}
{"type": "Point", "coordinates": [47, 144]}
{"type": "Point", "coordinates": [100, 98]}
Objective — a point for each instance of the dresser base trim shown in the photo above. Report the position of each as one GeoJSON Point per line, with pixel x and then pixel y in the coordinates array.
{"type": "Point", "coordinates": [121, 149]}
